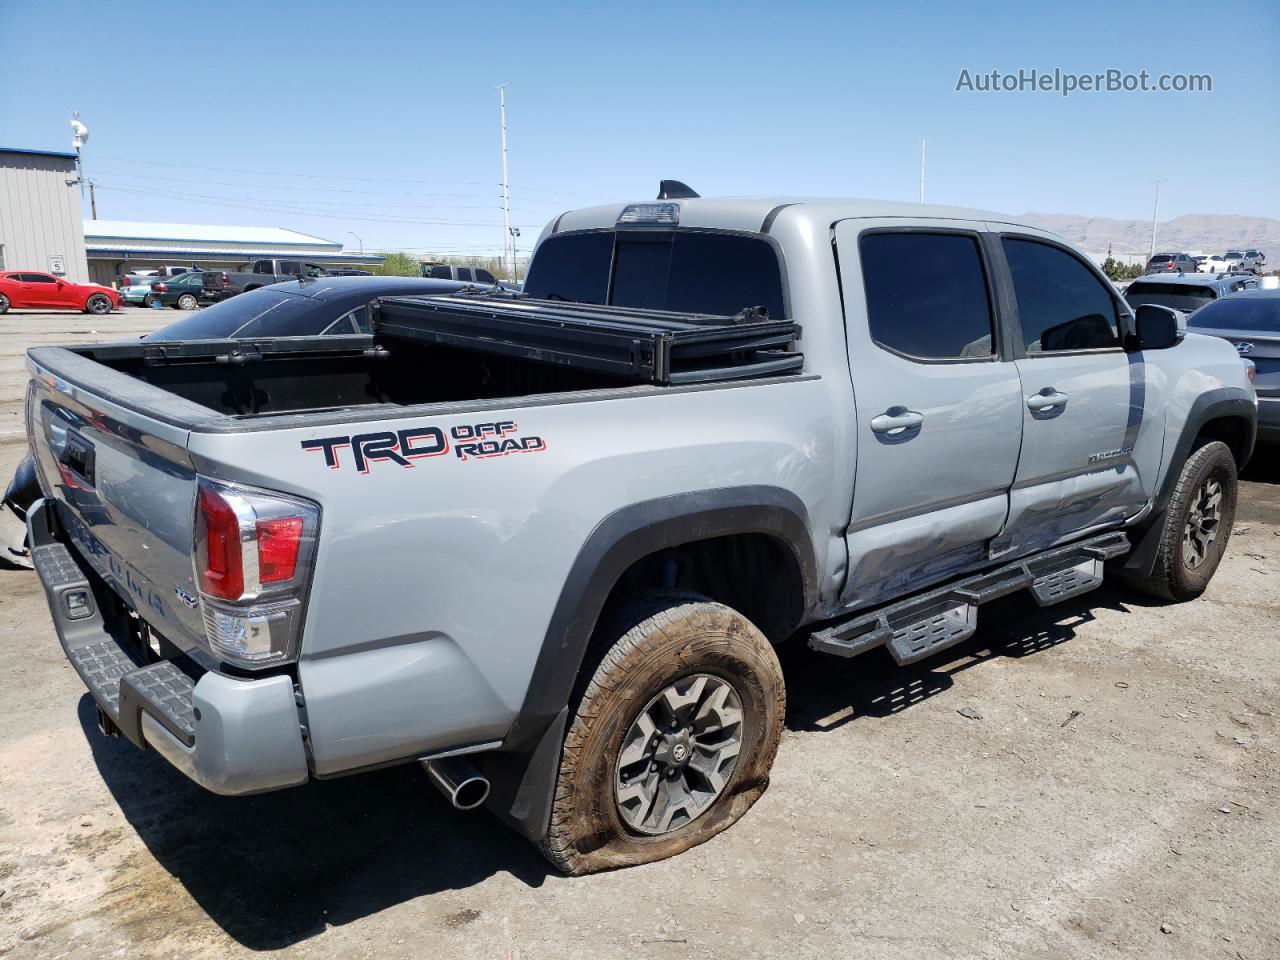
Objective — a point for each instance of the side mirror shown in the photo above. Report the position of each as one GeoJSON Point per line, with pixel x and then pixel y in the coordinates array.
{"type": "Point", "coordinates": [1157, 328]}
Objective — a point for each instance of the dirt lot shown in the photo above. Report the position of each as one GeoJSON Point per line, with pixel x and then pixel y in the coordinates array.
{"type": "Point", "coordinates": [1111, 790]}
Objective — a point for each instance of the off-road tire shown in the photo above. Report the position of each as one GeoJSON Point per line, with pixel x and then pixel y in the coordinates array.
{"type": "Point", "coordinates": [651, 644]}
{"type": "Point", "coordinates": [98, 304]}
{"type": "Point", "coordinates": [1171, 577]}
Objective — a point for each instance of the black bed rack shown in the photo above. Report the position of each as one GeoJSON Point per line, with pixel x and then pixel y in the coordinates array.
{"type": "Point", "coordinates": [645, 346]}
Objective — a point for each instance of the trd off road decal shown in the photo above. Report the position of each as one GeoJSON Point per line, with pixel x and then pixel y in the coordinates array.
{"type": "Point", "coordinates": [478, 441]}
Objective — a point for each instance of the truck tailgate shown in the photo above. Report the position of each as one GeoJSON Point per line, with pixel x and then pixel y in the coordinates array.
{"type": "Point", "coordinates": [124, 484]}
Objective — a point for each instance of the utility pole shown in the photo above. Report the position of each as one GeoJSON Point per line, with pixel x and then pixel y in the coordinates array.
{"type": "Point", "coordinates": [507, 239]}
{"type": "Point", "coordinates": [81, 137]}
{"type": "Point", "coordinates": [357, 236]}
{"type": "Point", "coordinates": [922, 169]}
{"type": "Point", "coordinates": [1155, 212]}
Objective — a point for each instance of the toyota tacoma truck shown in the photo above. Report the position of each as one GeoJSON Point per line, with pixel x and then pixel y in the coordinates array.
{"type": "Point", "coordinates": [545, 544]}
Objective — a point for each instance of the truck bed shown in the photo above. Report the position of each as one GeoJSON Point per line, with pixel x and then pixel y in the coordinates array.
{"type": "Point", "coordinates": [458, 348]}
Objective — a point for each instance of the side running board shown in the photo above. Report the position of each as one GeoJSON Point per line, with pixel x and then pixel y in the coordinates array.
{"type": "Point", "coordinates": [922, 625]}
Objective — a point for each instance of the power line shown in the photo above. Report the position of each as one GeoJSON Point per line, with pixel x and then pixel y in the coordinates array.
{"type": "Point", "coordinates": [274, 186]}
{"type": "Point", "coordinates": [301, 202]}
{"type": "Point", "coordinates": [322, 176]}
{"type": "Point", "coordinates": [298, 211]}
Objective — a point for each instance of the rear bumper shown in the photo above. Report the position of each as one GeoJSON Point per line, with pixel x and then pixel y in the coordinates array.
{"type": "Point", "coordinates": [229, 735]}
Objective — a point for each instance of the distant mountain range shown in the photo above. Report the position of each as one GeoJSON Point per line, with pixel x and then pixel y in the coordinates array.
{"type": "Point", "coordinates": [1130, 240]}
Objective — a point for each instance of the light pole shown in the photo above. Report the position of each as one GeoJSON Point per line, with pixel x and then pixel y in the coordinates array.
{"type": "Point", "coordinates": [506, 187]}
{"type": "Point", "coordinates": [515, 263]}
{"type": "Point", "coordinates": [357, 236]}
{"type": "Point", "coordinates": [1155, 212]}
{"type": "Point", "coordinates": [922, 169]}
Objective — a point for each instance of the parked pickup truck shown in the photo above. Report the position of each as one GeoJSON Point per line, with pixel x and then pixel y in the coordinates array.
{"type": "Point", "coordinates": [545, 544]}
{"type": "Point", "coordinates": [220, 284]}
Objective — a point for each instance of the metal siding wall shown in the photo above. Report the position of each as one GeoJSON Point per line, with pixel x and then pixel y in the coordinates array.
{"type": "Point", "coordinates": [40, 214]}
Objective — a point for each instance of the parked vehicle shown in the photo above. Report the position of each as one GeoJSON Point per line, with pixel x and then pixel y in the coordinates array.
{"type": "Point", "coordinates": [184, 292]}
{"type": "Point", "coordinates": [29, 290]}
{"type": "Point", "coordinates": [1171, 263]}
{"type": "Point", "coordinates": [261, 273]}
{"type": "Point", "coordinates": [332, 308]}
{"type": "Point", "coordinates": [136, 293]}
{"type": "Point", "coordinates": [1253, 261]}
{"type": "Point", "coordinates": [448, 271]}
{"type": "Point", "coordinates": [1251, 322]}
{"type": "Point", "coordinates": [1212, 264]}
{"type": "Point", "coordinates": [1185, 293]}
{"type": "Point", "coordinates": [347, 272]}
{"type": "Point", "coordinates": [545, 543]}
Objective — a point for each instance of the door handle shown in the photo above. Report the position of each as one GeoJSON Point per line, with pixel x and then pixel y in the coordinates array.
{"type": "Point", "coordinates": [897, 422]}
{"type": "Point", "coordinates": [1047, 399]}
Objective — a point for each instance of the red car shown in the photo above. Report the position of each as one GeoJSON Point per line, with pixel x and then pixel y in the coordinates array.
{"type": "Point", "coordinates": [43, 291]}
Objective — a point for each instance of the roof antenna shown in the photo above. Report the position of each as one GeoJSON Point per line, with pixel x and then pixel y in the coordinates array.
{"type": "Point", "coordinates": [675, 190]}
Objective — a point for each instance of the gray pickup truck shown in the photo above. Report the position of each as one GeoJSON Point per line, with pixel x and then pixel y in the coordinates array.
{"type": "Point", "coordinates": [220, 284]}
{"type": "Point", "coordinates": [545, 544]}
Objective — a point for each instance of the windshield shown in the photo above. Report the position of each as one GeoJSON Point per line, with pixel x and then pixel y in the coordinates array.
{"type": "Point", "coordinates": [1179, 296]}
{"type": "Point", "coordinates": [684, 271]}
{"type": "Point", "coordinates": [258, 313]}
{"type": "Point", "coordinates": [1239, 313]}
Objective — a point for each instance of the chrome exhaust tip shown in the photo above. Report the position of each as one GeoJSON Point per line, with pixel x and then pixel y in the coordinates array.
{"type": "Point", "coordinates": [457, 778]}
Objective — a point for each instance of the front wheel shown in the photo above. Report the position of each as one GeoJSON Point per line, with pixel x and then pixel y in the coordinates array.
{"type": "Point", "coordinates": [98, 304]}
{"type": "Point", "coordinates": [1196, 526]}
{"type": "Point", "coordinates": [673, 739]}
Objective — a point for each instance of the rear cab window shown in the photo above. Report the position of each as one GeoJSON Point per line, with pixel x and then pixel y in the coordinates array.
{"type": "Point", "coordinates": [686, 271]}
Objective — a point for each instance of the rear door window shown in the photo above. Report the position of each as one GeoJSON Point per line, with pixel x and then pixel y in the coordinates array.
{"type": "Point", "coordinates": [484, 276]}
{"type": "Point", "coordinates": [1062, 304]}
{"type": "Point", "coordinates": [948, 318]}
{"type": "Point", "coordinates": [441, 272]}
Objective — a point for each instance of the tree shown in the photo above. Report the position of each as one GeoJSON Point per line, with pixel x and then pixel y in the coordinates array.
{"type": "Point", "coordinates": [396, 265]}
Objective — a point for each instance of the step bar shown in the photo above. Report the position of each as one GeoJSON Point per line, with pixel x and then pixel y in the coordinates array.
{"type": "Point", "coordinates": [923, 625]}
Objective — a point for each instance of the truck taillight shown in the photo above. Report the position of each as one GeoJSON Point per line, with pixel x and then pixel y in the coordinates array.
{"type": "Point", "coordinates": [222, 572]}
{"type": "Point", "coordinates": [252, 558]}
{"type": "Point", "coordinates": [278, 542]}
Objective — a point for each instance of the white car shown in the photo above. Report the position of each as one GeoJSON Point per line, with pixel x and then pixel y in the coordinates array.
{"type": "Point", "coordinates": [1213, 264]}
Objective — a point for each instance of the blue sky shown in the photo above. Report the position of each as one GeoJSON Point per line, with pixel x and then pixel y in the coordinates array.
{"type": "Point", "coordinates": [381, 119]}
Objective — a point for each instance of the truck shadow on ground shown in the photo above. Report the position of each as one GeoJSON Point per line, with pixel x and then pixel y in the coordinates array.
{"type": "Point", "coordinates": [838, 691]}
{"type": "Point", "coordinates": [276, 869]}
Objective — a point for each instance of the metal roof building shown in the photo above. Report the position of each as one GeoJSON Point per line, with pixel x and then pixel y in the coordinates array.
{"type": "Point", "coordinates": [40, 213]}
{"type": "Point", "coordinates": [115, 247]}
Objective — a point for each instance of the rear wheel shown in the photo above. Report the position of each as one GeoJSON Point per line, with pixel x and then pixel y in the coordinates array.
{"type": "Point", "coordinates": [187, 302]}
{"type": "Point", "coordinates": [673, 738]}
{"type": "Point", "coordinates": [98, 304]}
{"type": "Point", "coordinates": [1196, 526]}
{"type": "Point", "coordinates": [149, 300]}
{"type": "Point", "coordinates": [4, 303]}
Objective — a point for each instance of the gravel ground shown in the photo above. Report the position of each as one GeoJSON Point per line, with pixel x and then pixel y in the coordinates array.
{"type": "Point", "coordinates": [1098, 779]}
